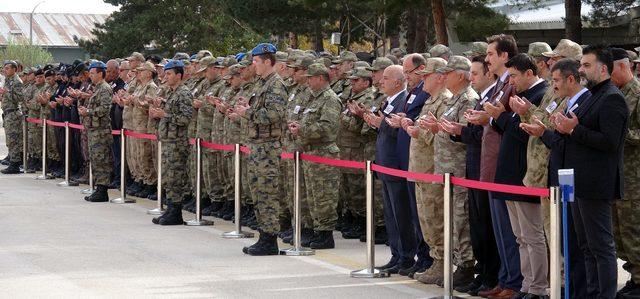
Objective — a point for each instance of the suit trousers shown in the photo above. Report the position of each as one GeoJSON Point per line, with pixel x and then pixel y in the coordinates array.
{"type": "Point", "coordinates": [509, 276]}
{"type": "Point", "coordinates": [397, 217]}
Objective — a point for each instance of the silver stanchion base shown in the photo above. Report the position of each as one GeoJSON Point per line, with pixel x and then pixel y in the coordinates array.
{"type": "Point", "coordinates": [302, 251]}
{"type": "Point", "coordinates": [119, 200]}
{"type": "Point", "coordinates": [44, 177]}
{"type": "Point", "coordinates": [237, 235]}
{"type": "Point", "coordinates": [195, 222]}
{"type": "Point", "coordinates": [446, 297]}
{"type": "Point", "coordinates": [155, 211]}
{"type": "Point", "coordinates": [88, 191]}
{"type": "Point", "coordinates": [365, 273]}
{"type": "Point", "coordinates": [68, 184]}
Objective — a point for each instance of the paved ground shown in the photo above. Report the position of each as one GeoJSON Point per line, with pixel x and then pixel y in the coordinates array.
{"type": "Point", "coordinates": [55, 244]}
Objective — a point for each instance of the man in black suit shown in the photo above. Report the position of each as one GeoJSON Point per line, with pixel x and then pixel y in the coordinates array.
{"type": "Point", "coordinates": [592, 131]}
{"type": "Point", "coordinates": [397, 209]}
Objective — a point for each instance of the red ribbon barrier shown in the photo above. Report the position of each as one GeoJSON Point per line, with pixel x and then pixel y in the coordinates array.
{"type": "Point", "coordinates": [76, 126]}
{"type": "Point", "coordinates": [34, 120]}
{"type": "Point", "coordinates": [137, 135]}
{"type": "Point", "coordinates": [115, 132]}
{"type": "Point", "coordinates": [333, 162]}
{"type": "Point", "coordinates": [55, 123]}
{"type": "Point", "coordinates": [512, 189]}
{"type": "Point", "coordinates": [426, 177]}
{"type": "Point", "coordinates": [192, 141]}
{"type": "Point", "coordinates": [286, 156]}
{"type": "Point", "coordinates": [245, 149]}
{"type": "Point", "coordinates": [218, 147]}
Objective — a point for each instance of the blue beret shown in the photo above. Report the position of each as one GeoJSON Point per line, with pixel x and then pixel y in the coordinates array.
{"type": "Point", "coordinates": [193, 57]}
{"type": "Point", "coordinates": [97, 65]}
{"type": "Point", "coordinates": [240, 55]}
{"type": "Point", "coordinates": [172, 64]}
{"type": "Point", "coordinates": [263, 48]}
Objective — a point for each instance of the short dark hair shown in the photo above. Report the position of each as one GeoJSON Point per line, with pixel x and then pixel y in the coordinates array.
{"type": "Point", "coordinates": [567, 67]}
{"type": "Point", "coordinates": [178, 70]}
{"type": "Point", "coordinates": [101, 71]}
{"type": "Point", "coordinates": [602, 53]}
{"type": "Point", "coordinates": [417, 60]}
{"type": "Point", "coordinates": [270, 56]}
{"type": "Point", "coordinates": [480, 59]}
{"type": "Point", "coordinates": [522, 62]}
{"type": "Point", "coordinates": [504, 43]}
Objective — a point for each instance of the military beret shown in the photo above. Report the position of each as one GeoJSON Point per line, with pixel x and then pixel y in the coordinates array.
{"type": "Point", "coordinates": [619, 54]}
{"type": "Point", "coordinates": [193, 58]}
{"type": "Point", "coordinates": [172, 64]}
{"type": "Point", "coordinates": [432, 65]}
{"type": "Point", "coordinates": [98, 65]}
{"type": "Point", "coordinates": [155, 58]}
{"type": "Point", "coordinates": [10, 62]}
{"type": "Point", "coordinates": [136, 56]}
{"type": "Point", "coordinates": [239, 56]}
{"type": "Point", "coordinates": [317, 69]}
{"type": "Point", "coordinates": [264, 48]}
{"type": "Point", "coordinates": [380, 63]}
{"type": "Point", "coordinates": [456, 63]}
{"type": "Point", "coordinates": [39, 72]}
{"type": "Point", "coordinates": [360, 72]}
{"type": "Point", "coordinates": [49, 73]}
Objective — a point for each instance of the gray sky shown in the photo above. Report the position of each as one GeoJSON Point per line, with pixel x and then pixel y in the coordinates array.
{"type": "Point", "coordinates": [50, 6]}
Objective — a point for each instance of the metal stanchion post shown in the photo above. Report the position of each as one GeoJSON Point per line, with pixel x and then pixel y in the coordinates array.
{"type": "Point", "coordinates": [297, 249]}
{"type": "Point", "coordinates": [91, 188]}
{"type": "Point", "coordinates": [67, 158]}
{"type": "Point", "coordinates": [198, 221]}
{"type": "Point", "coordinates": [555, 277]}
{"type": "Point", "coordinates": [44, 175]}
{"type": "Point", "coordinates": [448, 238]}
{"type": "Point", "coordinates": [158, 210]}
{"type": "Point", "coordinates": [123, 179]}
{"type": "Point", "coordinates": [370, 271]}
{"type": "Point", "coordinates": [24, 144]}
{"type": "Point", "coordinates": [237, 233]}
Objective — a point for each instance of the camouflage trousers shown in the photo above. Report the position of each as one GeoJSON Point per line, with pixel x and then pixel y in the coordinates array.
{"type": "Point", "coordinates": [225, 179]}
{"type": "Point", "coordinates": [289, 179]}
{"type": "Point", "coordinates": [264, 181]}
{"type": "Point", "coordinates": [13, 132]}
{"type": "Point", "coordinates": [430, 205]}
{"type": "Point", "coordinates": [175, 155]}
{"type": "Point", "coordinates": [101, 154]}
{"type": "Point", "coordinates": [144, 155]}
{"type": "Point", "coordinates": [323, 187]}
{"type": "Point", "coordinates": [353, 188]}
{"type": "Point", "coordinates": [131, 148]}
{"type": "Point", "coordinates": [247, 198]}
{"type": "Point", "coordinates": [626, 231]}
{"type": "Point", "coordinates": [192, 170]}
{"type": "Point", "coordinates": [231, 171]}
{"type": "Point", "coordinates": [34, 140]}
{"type": "Point", "coordinates": [52, 140]}
{"type": "Point", "coordinates": [210, 175]}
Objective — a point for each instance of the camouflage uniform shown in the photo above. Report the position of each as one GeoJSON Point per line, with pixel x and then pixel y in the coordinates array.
{"type": "Point", "coordinates": [246, 90]}
{"type": "Point", "coordinates": [233, 135]}
{"type": "Point", "coordinates": [203, 131]}
{"type": "Point", "coordinates": [370, 154]}
{"type": "Point", "coordinates": [144, 153]}
{"type": "Point", "coordinates": [172, 131]}
{"type": "Point", "coordinates": [34, 130]}
{"type": "Point", "coordinates": [131, 143]}
{"type": "Point", "coordinates": [98, 124]}
{"type": "Point", "coordinates": [265, 120]}
{"type": "Point", "coordinates": [195, 85]}
{"type": "Point", "coordinates": [626, 216]}
{"type": "Point", "coordinates": [46, 113]}
{"type": "Point", "coordinates": [319, 126]}
{"type": "Point", "coordinates": [12, 99]}
{"type": "Point", "coordinates": [219, 136]}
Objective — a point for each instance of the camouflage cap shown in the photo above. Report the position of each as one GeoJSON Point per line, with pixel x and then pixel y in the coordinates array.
{"type": "Point", "coordinates": [147, 66]}
{"type": "Point", "coordinates": [181, 56]}
{"type": "Point", "coordinates": [206, 62]}
{"type": "Point", "coordinates": [632, 55]}
{"type": "Point", "coordinates": [303, 61]}
{"type": "Point", "coordinates": [432, 65]}
{"type": "Point", "coordinates": [227, 62]}
{"type": "Point", "coordinates": [234, 70]}
{"type": "Point", "coordinates": [203, 53]}
{"type": "Point", "coordinates": [537, 48]}
{"type": "Point", "coordinates": [317, 69]}
{"type": "Point", "coordinates": [281, 56]}
{"type": "Point", "coordinates": [456, 62]}
{"type": "Point", "coordinates": [426, 55]}
{"type": "Point", "coordinates": [247, 60]}
{"type": "Point", "coordinates": [439, 50]}
{"type": "Point", "coordinates": [477, 49]}
{"type": "Point", "coordinates": [380, 63]}
{"type": "Point", "coordinates": [567, 49]}
{"type": "Point", "coordinates": [325, 61]}
{"type": "Point", "coordinates": [361, 63]}
{"type": "Point", "coordinates": [136, 56]}
{"type": "Point", "coordinates": [326, 54]}
{"type": "Point", "coordinates": [397, 52]}
{"type": "Point", "coordinates": [360, 72]}
{"type": "Point", "coordinates": [345, 56]}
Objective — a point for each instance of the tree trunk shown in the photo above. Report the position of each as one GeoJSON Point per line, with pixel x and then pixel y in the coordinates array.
{"type": "Point", "coordinates": [573, 21]}
{"type": "Point", "coordinates": [293, 40]}
{"type": "Point", "coordinates": [410, 22]}
{"type": "Point", "coordinates": [318, 37]}
{"type": "Point", "coordinates": [439, 23]}
{"type": "Point", "coordinates": [420, 44]}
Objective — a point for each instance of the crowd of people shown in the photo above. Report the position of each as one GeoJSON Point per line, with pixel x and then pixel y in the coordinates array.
{"type": "Point", "coordinates": [491, 114]}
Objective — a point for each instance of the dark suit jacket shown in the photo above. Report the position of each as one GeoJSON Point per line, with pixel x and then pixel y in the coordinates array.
{"type": "Point", "coordinates": [512, 158]}
{"type": "Point", "coordinates": [413, 111]}
{"type": "Point", "coordinates": [594, 150]}
{"type": "Point", "coordinates": [387, 142]}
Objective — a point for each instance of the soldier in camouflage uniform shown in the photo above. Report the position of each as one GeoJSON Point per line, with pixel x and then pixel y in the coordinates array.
{"type": "Point", "coordinates": [132, 144]}
{"type": "Point", "coordinates": [12, 98]}
{"type": "Point", "coordinates": [96, 119]}
{"type": "Point", "coordinates": [626, 220]}
{"type": "Point", "coordinates": [34, 147]}
{"type": "Point", "coordinates": [343, 65]}
{"type": "Point", "coordinates": [174, 114]}
{"type": "Point", "coordinates": [232, 133]}
{"type": "Point", "coordinates": [317, 132]}
{"type": "Point", "coordinates": [46, 113]}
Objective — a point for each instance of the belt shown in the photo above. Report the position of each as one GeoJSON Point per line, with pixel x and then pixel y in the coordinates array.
{"type": "Point", "coordinates": [309, 147]}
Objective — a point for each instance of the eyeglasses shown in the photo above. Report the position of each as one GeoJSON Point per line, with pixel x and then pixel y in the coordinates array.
{"type": "Point", "coordinates": [413, 70]}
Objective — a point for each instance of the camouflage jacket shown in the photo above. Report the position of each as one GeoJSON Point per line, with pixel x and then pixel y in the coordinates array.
{"type": "Point", "coordinates": [266, 116]}
{"type": "Point", "coordinates": [320, 120]}
{"type": "Point", "coordinates": [179, 112]}
{"type": "Point", "coordinates": [631, 92]}
{"type": "Point", "coordinates": [98, 108]}
{"type": "Point", "coordinates": [296, 104]}
{"type": "Point", "coordinates": [351, 126]}
{"type": "Point", "coordinates": [14, 94]}
{"type": "Point", "coordinates": [204, 115]}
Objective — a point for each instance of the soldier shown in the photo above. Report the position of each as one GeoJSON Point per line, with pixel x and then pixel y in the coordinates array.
{"type": "Point", "coordinates": [351, 141]}
{"type": "Point", "coordinates": [34, 131]}
{"type": "Point", "coordinates": [317, 131]}
{"type": "Point", "coordinates": [343, 65]}
{"type": "Point", "coordinates": [265, 114]}
{"type": "Point", "coordinates": [174, 113]}
{"type": "Point", "coordinates": [12, 98]}
{"type": "Point", "coordinates": [477, 49]}
{"type": "Point", "coordinates": [97, 120]}
{"type": "Point", "coordinates": [627, 211]}
{"type": "Point", "coordinates": [46, 112]}
{"type": "Point", "coordinates": [441, 51]}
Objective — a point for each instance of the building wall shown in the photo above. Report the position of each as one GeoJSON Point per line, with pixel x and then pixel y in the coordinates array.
{"type": "Point", "coordinates": [67, 55]}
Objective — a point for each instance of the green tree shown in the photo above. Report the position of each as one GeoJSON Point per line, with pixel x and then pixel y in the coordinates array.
{"type": "Point", "coordinates": [28, 55]}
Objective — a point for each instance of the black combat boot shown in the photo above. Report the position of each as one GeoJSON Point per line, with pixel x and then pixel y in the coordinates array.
{"type": "Point", "coordinates": [172, 216]}
{"type": "Point", "coordinates": [214, 207]}
{"type": "Point", "coordinates": [463, 276]}
{"type": "Point", "coordinates": [267, 245]}
{"type": "Point", "coordinates": [357, 229]}
{"type": "Point", "coordinates": [13, 168]}
{"type": "Point", "coordinates": [348, 222]}
{"type": "Point", "coordinates": [248, 213]}
{"type": "Point", "coordinates": [323, 240]}
{"type": "Point", "coordinates": [227, 207]}
{"type": "Point", "coordinates": [205, 202]}
{"type": "Point", "coordinates": [133, 188]}
{"type": "Point", "coordinates": [36, 164]}
{"type": "Point", "coordinates": [230, 214]}
{"type": "Point", "coordinates": [99, 195]}
{"type": "Point", "coordinates": [189, 201]}
{"type": "Point", "coordinates": [6, 160]}
{"type": "Point", "coordinates": [145, 191]}
{"type": "Point", "coordinates": [153, 193]}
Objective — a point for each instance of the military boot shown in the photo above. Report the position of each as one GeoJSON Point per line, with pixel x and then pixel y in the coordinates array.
{"type": "Point", "coordinates": [6, 160]}
{"type": "Point", "coordinates": [433, 275]}
{"type": "Point", "coordinates": [133, 188]}
{"type": "Point", "coordinates": [227, 207]}
{"type": "Point", "coordinates": [463, 276]}
{"type": "Point", "coordinates": [247, 216]}
{"type": "Point", "coordinates": [357, 229]}
{"type": "Point", "coordinates": [99, 195]}
{"type": "Point", "coordinates": [231, 212]}
{"type": "Point", "coordinates": [267, 245]}
{"type": "Point", "coordinates": [306, 236]}
{"type": "Point", "coordinates": [172, 216]}
{"type": "Point", "coordinates": [323, 240]}
{"type": "Point", "coordinates": [13, 168]}
{"type": "Point", "coordinates": [145, 191]}
{"type": "Point", "coordinates": [189, 201]}
{"type": "Point", "coordinates": [213, 208]}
